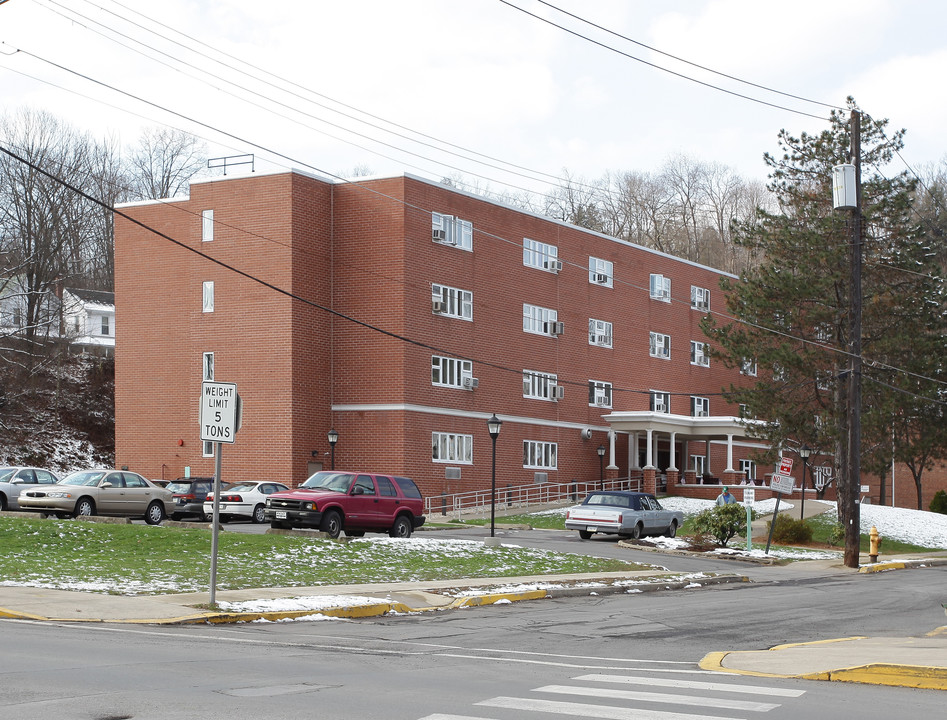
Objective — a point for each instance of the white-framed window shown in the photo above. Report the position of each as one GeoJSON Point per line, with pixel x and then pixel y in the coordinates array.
{"type": "Point", "coordinates": [452, 302]}
{"type": "Point", "coordinates": [540, 455]}
{"type": "Point", "coordinates": [748, 467]}
{"type": "Point", "coordinates": [207, 225]}
{"type": "Point", "coordinates": [451, 372]}
{"type": "Point", "coordinates": [208, 368]}
{"type": "Point", "coordinates": [700, 298]}
{"type": "Point", "coordinates": [452, 448]}
{"type": "Point", "coordinates": [699, 354]}
{"type": "Point", "coordinates": [541, 321]}
{"type": "Point", "coordinates": [660, 287]}
{"type": "Point", "coordinates": [660, 401]}
{"type": "Point", "coordinates": [698, 463]}
{"type": "Point", "coordinates": [600, 333]}
{"type": "Point", "coordinates": [601, 271]}
{"type": "Point", "coordinates": [449, 230]}
{"type": "Point", "coordinates": [541, 386]}
{"type": "Point", "coordinates": [541, 256]}
{"type": "Point", "coordinates": [700, 406]}
{"type": "Point", "coordinates": [748, 367]}
{"type": "Point", "coordinates": [208, 296]}
{"type": "Point", "coordinates": [659, 345]}
{"type": "Point", "coordinates": [106, 326]}
{"type": "Point", "coordinates": [600, 393]}
{"type": "Point", "coordinates": [744, 410]}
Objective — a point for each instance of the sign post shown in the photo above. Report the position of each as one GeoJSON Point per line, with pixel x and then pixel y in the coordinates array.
{"type": "Point", "coordinates": [781, 483]}
{"type": "Point", "coordinates": [749, 497]}
{"type": "Point", "coordinates": [220, 414]}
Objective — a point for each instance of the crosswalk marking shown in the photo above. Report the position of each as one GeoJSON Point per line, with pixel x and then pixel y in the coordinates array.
{"type": "Point", "coordinates": [603, 712]}
{"type": "Point", "coordinates": [700, 701]}
{"type": "Point", "coordinates": [692, 685]}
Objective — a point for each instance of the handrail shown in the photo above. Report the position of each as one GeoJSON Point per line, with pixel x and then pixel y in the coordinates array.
{"type": "Point", "coordinates": [478, 502]}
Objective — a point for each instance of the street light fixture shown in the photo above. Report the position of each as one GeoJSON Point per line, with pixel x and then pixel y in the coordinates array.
{"type": "Point", "coordinates": [804, 452]}
{"type": "Point", "coordinates": [493, 427]}
{"type": "Point", "coordinates": [333, 436]}
{"type": "Point", "coordinates": [601, 467]}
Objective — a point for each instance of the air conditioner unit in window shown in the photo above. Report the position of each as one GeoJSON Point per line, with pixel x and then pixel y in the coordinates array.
{"type": "Point", "coordinates": [438, 306]}
{"type": "Point", "coordinates": [601, 278]}
{"type": "Point", "coordinates": [555, 328]}
{"type": "Point", "coordinates": [439, 234]}
{"type": "Point", "coordinates": [554, 265]}
{"type": "Point", "coordinates": [558, 392]}
{"type": "Point", "coordinates": [471, 382]}
{"type": "Point", "coordinates": [601, 402]}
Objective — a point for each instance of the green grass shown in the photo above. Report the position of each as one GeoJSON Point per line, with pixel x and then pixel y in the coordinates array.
{"type": "Point", "coordinates": [544, 522]}
{"type": "Point", "coordinates": [823, 527]}
{"type": "Point", "coordinates": [140, 559]}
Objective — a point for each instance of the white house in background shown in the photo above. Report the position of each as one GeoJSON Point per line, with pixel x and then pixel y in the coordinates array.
{"type": "Point", "coordinates": [88, 320]}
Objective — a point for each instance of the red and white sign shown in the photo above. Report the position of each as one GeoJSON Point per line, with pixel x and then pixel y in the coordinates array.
{"type": "Point", "coordinates": [785, 466]}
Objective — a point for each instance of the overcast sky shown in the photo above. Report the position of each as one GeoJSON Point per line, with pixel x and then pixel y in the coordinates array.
{"type": "Point", "coordinates": [501, 86]}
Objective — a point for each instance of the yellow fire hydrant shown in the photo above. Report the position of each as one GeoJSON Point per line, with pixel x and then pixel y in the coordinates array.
{"type": "Point", "coordinates": [873, 542]}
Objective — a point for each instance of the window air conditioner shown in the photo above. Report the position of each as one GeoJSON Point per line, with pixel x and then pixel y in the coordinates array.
{"type": "Point", "coordinates": [601, 278]}
{"type": "Point", "coordinates": [556, 328]}
{"type": "Point", "coordinates": [601, 402]}
{"type": "Point", "coordinates": [554, 265]}
{"type": "Point", "coordinates": [558, 392]}
{"type": "Point", "coordinates": [471, 382]}
{"type": "Point", "coordinates": [439, 234]}
{"type": "Point", "coordinates": [438, 306]}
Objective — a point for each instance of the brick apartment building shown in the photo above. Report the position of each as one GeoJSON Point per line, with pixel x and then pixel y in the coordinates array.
{"type": "Point", "coordinates": [404, 313]}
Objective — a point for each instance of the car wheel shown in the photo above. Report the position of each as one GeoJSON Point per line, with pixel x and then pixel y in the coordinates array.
{"type": "Point", "coordinates": [402, 527]}
{"type": "Point", "coordinates": [85, 507]}
{"type": "Point", "coordinates": [331, 524]}
{"type": "Point", "coordinates": [636, 533]}
{"type": "Point", "coordinates": [672, 529]}
{"type": "Point", "coordinates": [257, 516]}
{"type": "Point", "coordinates": [154, 514]}
{"type": "Point", "coordinates": [585, 534]}
{"type": "Point", "coordinates": [203, 517]}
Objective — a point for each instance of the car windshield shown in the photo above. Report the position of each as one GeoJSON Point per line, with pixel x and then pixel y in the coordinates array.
{"type": "Point", "coordinates": [90, 478]}
{"type": "Point", "coordinates": [323, 480]}
{"type": "Point", "coordinates": [5, 473]}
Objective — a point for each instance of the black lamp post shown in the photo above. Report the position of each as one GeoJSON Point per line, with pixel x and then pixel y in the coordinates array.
{"type": "Point", "coordinates": [333, 436]}
{"type": "Point", "coordinates": [493, 427]}
{"type": "Point", "coordinates": [601, 467]}
{"type": "Point", "coordinates": [804, 452]}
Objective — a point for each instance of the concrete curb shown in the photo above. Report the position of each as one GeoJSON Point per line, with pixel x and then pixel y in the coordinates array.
{"type": "Point", "coordinates": [902, 564]}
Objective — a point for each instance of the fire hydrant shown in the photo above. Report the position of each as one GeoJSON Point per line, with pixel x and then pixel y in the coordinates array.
{"type": "Point", "coordinates": [873, 542]}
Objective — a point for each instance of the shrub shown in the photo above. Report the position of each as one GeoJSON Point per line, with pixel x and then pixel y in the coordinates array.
{"type": "Point", "coordinates": [789, 531]}
{"type": "Point", "coordinates": [838, 535]}
{"type": "Point", "coordinates": [939, 502]}
{"type": "Point", "coordinates": [722, 522]}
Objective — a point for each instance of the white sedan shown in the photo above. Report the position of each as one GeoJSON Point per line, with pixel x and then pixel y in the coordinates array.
{"type": "Point", "coordinates": [244, 499]}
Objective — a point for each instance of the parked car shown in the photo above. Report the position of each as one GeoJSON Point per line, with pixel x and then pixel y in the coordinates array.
{"type": "Point", "coordinates": [623, 513]}
{"type": "Point", "coordinates": [189, 494]}
{"type": "Point", "coordinates": [353, 502]}
{"type": "Point", "coordinates": [244, 499]}
{"type": "Point", "coordinates": [99, 492]}
{"type": "Point", "coordinates": [13, 480]}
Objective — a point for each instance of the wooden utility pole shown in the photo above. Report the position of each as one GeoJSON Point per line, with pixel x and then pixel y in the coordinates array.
{"type": "Point", "coordinates": [853, 481]}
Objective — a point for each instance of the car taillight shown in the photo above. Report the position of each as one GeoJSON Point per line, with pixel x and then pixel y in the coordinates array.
{"type": "Point", "coordinates": [229, 498]}
{"type": "Point", "coordinates": [190, 496]}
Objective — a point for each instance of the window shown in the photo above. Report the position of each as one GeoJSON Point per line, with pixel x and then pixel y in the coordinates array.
{"type": "Point", "coordinates": [660, 345]}
{"type": "Point", "coordinates": [748, 467]}
{"type": "Point", "coordinates": [540, 320]}
{"type": "Point", "coordinates": [600, 333]}
{"type": "Point", "coordinates": [452, 447]}
{"type": "Point", "coordinates": [451, 372]}
{"type": "Point", "coordinates": [660, 288]}
{"type": "Point", "coordinates": [452, 302]}
{"type": "Point", "coordinates": [448, 230]}
{"type": "Point", "coordinates": [600, 393]}
{"type": "Point", "coordinates": [600, 271]}
{"type": "Point", "coordinates": [744, 410]}
{"type": "Point", "coordinates": [699, 354]}
{"type": "Point", "coordinates": [748, 367]}
{"type": "Point", "coordinates": [700, 406]}
{"type": "Point", "coordinates": [541, 455]}
{"type": "Point", "coordinates": [208, 373]}
{"type": "Point", "coordinates": [105, 324]}
{"type": "Point", "coordinates": [207, 225]}
{"type": "Point", "coordinates": [541, 255]}
{"type": "Point", "coordinates": [207, 449]}
{"type": "Point", "coordinates": [700, 298]}
{"type": "Point", "coordinates": [697, 462]}
{"type": "Point", "coordinates": [541, 386]}
{"type": "Point", "coordinates": [208, 300]}
{"type": "Point", "coordinates": [660, 401]}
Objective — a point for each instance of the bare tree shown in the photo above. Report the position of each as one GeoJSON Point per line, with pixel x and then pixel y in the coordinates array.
{"type": "Point", "coordinates": [164, 163]}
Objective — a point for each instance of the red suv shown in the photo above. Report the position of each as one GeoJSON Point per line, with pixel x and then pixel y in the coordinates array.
{"type": "Point", "coordinates": [353, 502]}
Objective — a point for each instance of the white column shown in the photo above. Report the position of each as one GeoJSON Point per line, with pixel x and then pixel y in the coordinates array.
{"type": "Point", "coordinates": [649, 453]}
{"type": "Point", "coordinates": [633, 451]}
{"type": "Point", "coordinates": [729, 454]}
{"type": "Point", "coordinates": [673, 465]}
{"type": "Point", "coordinates": [611, 451]}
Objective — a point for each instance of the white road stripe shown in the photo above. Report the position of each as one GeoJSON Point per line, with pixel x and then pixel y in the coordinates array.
{"type": "Point", "coordinates": [692, 685]}
{"type": "Point", "coordinates": [613, 694]}
{"type": "Point", "coordinates": [603, 712]}
{"type": "Point", "coordinates": [442, 716]}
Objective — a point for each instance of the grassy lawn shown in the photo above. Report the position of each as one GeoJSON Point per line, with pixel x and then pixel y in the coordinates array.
{"type": "Point", "coordinates": [140, 559]}
{"type": "Point", "coordinates": [823, 528]}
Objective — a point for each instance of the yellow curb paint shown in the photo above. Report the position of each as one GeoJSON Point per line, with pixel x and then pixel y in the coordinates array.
{"type": "Point", "coordinates": [818, 642]}
{"type": "Point", "coordinates": [714, 661]}
{"type": "Point", "coordinates": [915, 676]}
{"type": "Point", "coordinates": [480, 600]}
{"type": "Point", "coordinates": [881, 567]}
{"type": "Point", "coordinates": [14, 615]}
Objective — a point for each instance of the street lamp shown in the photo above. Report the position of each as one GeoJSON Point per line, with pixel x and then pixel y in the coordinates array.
{"type": "Point", "coordinates": [804, 452]}
{"type": "Point", "coordinates": [333, 436]}
{"type": "Point", "coordinates": [493, 427]}
{"type": "Point", "coordinates": [601, 467]}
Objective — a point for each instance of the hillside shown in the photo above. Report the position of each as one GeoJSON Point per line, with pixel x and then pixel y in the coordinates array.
{"type": "Point", "coordinates": [59, 415]}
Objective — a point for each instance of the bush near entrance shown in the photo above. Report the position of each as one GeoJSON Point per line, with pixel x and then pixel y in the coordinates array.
{"type": "Point", "coordinates": [722, 523]}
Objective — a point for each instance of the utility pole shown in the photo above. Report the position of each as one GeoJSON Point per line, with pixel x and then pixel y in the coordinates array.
{"type": "Point", "coordinates": [853, 486]}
